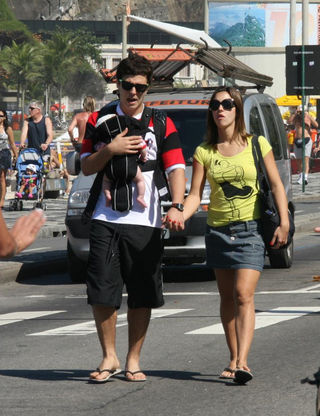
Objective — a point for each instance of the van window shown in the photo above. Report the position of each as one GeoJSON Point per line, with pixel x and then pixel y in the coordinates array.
{"type": "Point", "coordinates": [282, 134]}
{"type": "Point", "coordinates": [273, 132]}
{"type": "Point", "coordinates": [256, 126]}
{"type": "Point", "coordinates": [191, 125]}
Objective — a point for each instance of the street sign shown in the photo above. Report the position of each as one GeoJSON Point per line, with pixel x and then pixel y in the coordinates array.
{"type": "Point", "coordinates": [294, 70]}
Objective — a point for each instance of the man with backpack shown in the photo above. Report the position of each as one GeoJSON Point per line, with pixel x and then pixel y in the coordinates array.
{"type": "Point", "coordinates": [125, 246]}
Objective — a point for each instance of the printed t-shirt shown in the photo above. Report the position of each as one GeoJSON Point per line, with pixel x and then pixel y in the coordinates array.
{"type": "Point", "coordinates": [233, 182]}
{"type": "Point", "coordinates": [172, 158]}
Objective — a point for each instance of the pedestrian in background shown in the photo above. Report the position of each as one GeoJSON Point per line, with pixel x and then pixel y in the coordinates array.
{"type": "Point", "coordinates": [126, 247]}
{"type": "Point", "coordinates": [6, 144]}
{"type": "Point", "coordinates": [37, 129]}
{"type": "Point", "coordinates": [21, 235]}
{"type": "Point", "coordinates": [234, 244]}
{"type": "Point", "coordinates": [309, 122]}
{"type": "Point", "coordinates": [79, 120]}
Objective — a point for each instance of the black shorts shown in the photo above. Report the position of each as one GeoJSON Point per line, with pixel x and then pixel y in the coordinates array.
{"type": "Point", "coordinates": [124, 254]}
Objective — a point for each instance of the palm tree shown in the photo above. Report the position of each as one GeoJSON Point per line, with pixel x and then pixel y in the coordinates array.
{"type": "Point", "coordinates": [22, 63]}
{"type": "Point", "coordinates": [59, 59]}
{"type": "Point", "coordinates": [64, 54]}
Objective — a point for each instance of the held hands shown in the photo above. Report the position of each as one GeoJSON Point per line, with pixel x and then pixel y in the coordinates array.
{"type": "Point", "coordinates": [174, 220]}
{"type": "Point", "coordinates": [123, 144]}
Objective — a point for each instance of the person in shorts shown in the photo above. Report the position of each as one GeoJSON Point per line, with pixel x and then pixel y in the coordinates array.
{"type": "Point", "coordinates": [7, 145]}
{"type": "Point", "coordinates": [309, 122]}
{"type": "Point", "coordinates": [234, 244]}
{"type": "Point", "coordinates": [126, 247]}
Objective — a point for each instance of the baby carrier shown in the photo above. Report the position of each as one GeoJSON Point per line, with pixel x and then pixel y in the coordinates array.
{"type": "Point", "coordinates": [29, 157]}
{"type": "Point", "coordinates": [108, 128]}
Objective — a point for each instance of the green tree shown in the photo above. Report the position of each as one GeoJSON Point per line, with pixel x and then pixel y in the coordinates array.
{"type": "Point", "coordinates": [11, 28]}
{"type": "Point", "coordinates": [64, 55]}
{"type": "Point", "coordinates": [85, 81]}
{"type": "Point", "coordinates": [22, 64]}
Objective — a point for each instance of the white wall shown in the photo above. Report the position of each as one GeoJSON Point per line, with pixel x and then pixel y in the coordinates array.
{"type": "Point", "coordinates": [267, 61]}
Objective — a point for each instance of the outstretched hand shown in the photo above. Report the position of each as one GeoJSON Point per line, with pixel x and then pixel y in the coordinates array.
{"type": "Point", "coordinates": [26, 228]}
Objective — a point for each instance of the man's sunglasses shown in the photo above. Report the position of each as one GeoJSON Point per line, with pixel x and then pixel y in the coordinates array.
{"type": "Point", "coordinates": [32, 108]}
{"type": "Point", "coordinates": [227, 104]}
{"type": "Point", "coordinates": [129, 85]}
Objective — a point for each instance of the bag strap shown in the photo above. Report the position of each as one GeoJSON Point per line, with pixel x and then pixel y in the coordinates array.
{"type": "Point", "coordinates": [262, 175]}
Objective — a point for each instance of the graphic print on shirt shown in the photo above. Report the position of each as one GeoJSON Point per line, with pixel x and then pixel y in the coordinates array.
{"type": "Point", "coordinates": [231, 179]}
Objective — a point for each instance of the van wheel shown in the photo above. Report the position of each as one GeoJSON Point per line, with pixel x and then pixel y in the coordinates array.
{"type": "Point", "coordinates": [76, 267]}
{"type": "Point", "coordinates": [281, 259]}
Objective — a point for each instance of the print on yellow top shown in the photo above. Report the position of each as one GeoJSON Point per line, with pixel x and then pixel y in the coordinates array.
{"type": "Point", "coordinates": [231, 179]}
{"type": "Point", "coordinates": [233, 182]}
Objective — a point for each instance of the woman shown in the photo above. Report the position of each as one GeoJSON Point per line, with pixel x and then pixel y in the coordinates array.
{"type": "Point", "coordinates": [80, 120]}
{"type": "Point", "coordinates": [6, 142]}
{"type": "Point", "coordinates": [235, 248]}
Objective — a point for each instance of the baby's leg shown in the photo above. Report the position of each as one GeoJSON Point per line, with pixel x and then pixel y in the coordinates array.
{"type": "Point", "coordinates": [31, 186]}
{"type": "Point", "coordinates": [106, 186]}
{"type": "Point", "coordinates": [141, 187]}
{"type": "Point", "coordinates": [19, 193]}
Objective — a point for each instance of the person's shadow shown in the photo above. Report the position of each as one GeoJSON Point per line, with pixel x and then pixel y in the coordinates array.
{"type": "Point", "coordinates": [83, 375]}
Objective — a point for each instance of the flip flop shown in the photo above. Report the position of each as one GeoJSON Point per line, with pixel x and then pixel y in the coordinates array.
{"type": "Point", "coordinates": [230, 370]}
{"type": "Point", "coordinates": [110, 373]}
{"type": "Point", "coordinates": [242, 376]}
{"type": "Point", "coordinates": [133, 373]}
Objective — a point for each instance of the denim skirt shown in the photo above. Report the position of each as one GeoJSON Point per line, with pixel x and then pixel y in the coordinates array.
{"type": "Point", "coordinates": [238, 245]}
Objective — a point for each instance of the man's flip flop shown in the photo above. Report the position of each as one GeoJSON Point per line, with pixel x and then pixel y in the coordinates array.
{"type": "Point", "coordinates": [133, 373]}
{"type": "Point", "coordinates": [229, 370]}
{"type": "Point", "coordinates": [110, 373]}
{"type": "Point", "coordinates": [242, 376]}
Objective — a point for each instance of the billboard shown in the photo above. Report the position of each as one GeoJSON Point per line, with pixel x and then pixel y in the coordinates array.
{"type": "Point", "coordinates": [259, 24]}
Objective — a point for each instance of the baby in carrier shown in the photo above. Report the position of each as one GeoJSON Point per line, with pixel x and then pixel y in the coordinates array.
{"type": "Point", "coordinates": [28, 181]}
{"type": "Point", "coordinates": [121, 169]}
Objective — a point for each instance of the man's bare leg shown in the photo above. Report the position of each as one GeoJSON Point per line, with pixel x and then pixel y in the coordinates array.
{"type": "Point", "coordinates": [106, 319]}
{"type": "Point", "coordinates": [138, 322]}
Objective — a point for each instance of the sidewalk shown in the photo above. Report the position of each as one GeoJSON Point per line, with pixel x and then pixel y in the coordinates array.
{"type": "Point", "coordinates": [56, 261]}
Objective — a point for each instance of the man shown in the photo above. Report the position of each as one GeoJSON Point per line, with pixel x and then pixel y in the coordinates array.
{"type": "Point", "coordinates": [79, 121]}
{"type": "Point", "coordinates": [21, 235]}
{"type": "Point", "coordinates": [309, 122]}
{"type": "Point", "coordinates": [37, 129]}
{"type": "Point", "coordinates": [125, 247]}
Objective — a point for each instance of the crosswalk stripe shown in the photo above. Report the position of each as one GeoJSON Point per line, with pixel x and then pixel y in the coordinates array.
{"type": "Point", "coordinates": [12, 317]}
{"type": "Point", "coordinates": [263, 319]}
{"type": "Point", "coordinates": [89, 327]}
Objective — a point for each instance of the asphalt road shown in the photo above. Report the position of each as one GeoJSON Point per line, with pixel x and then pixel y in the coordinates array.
{"type": "Point", "coordinates": [49, 344]}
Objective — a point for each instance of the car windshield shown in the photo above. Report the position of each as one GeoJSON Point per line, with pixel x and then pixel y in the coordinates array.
{"type": "Point", "coordinates": [191, 125]}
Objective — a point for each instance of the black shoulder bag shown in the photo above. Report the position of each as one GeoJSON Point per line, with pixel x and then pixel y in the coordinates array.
{"type": "Point", "coordinates": [270, 218]}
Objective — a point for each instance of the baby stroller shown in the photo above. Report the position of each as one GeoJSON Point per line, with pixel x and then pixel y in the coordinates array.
{"type": "Point", "coordinates": [29, 160]}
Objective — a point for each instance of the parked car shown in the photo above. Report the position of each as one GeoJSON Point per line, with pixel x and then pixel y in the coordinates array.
{"type": "Point", "coordinates": [188, 109]}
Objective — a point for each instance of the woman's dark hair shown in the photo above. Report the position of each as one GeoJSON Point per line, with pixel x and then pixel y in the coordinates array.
{"type": "Point", "coordinates": [135, 65]}
{"type": "Point", "coordinates": [240, 129]}
{"type": "Point", "coordinates": [5, 121]}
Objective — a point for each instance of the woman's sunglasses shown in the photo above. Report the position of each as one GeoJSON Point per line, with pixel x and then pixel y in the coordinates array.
{"type": "Point", "coordinates": [227, 104]}
{"type": "Point", "coordinates": [129, 85]}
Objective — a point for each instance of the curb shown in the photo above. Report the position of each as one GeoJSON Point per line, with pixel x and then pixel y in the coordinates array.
{"type": "Point", "coordinates": [33, 266]}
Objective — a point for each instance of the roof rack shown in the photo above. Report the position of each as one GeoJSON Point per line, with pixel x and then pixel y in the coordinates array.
{"type": "Point", "coordinates": [168, 62]}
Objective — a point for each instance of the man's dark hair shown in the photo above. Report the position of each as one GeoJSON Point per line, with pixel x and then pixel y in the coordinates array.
{"type": "Point", "coordinates": [135, 65]}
